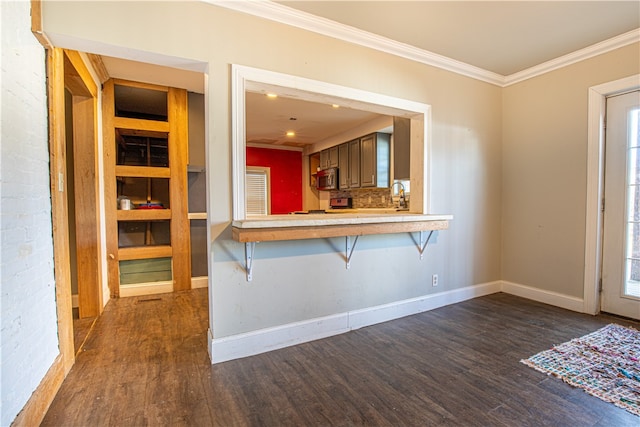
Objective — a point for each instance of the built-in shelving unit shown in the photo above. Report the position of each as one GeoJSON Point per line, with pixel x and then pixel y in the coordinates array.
{"type": "Point", "coordinates": [146, 152]}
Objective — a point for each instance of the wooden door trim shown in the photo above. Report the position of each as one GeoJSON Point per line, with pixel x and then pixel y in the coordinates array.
{"type": "Point", "coordinates": [110, 191]}
{"type": "Point", "coordinates": [178, 159]}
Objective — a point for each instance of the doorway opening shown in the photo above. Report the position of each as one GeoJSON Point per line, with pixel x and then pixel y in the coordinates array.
{"type": "Point", "coordinates": [81, 186]}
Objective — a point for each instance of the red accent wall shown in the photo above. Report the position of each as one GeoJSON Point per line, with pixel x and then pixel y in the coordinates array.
{"type": "Point", "coordinates": [286, 177]}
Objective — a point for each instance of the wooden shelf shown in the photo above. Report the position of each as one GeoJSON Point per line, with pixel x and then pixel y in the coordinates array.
{"type": "Point", "coordinates": [144, 252]}
{"type": "Point", "coordinates": [141, 127]}
{"type": "Point", "coordinates": [197, 215]}
{"type": "Point", "coordinates": [143, 171]}
{"type": "Point", "coordinates": [250, 236]}
{"type": "Point", "coordinates": [324, 231]}
{"type": "Point", "coordinates": [144, 215]}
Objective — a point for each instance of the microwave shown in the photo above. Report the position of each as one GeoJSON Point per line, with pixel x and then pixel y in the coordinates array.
{"type": "Point", "coordinates": [327, 179]}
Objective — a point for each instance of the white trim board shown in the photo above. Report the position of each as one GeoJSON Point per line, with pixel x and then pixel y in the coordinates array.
{"type": "Point", "coordinates": [595, 185]}
{"type": "Point", "coordinates": [245, 78]}
{"type": "Point", "coordinates": [306, 21]}
{"type": "Point", "coordinates": [268, 339]}
{"type": "Point", "coordinates": [547, 297]}
{"type": "Point", "coordinates": [263, 340]}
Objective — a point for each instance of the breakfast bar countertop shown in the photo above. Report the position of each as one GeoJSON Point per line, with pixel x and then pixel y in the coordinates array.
{"type": "Point", "coordinates": [323, 225]}
{"type": "Point", "coordinates": [315, 220]}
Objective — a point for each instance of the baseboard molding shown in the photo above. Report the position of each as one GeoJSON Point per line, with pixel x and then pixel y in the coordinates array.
{"type": "Point", "coordinates": [384, 313]}
{"type": "Point", "coordinates": [263, 340]}
{"type": "Point", "coordinates": [141, 289]}
{"type": "Point", "coordinates": [36, 407]}
{"type": "Point", "coordinates": [541, 295]}
{"type": "Point", "coordinates": [199, 282]}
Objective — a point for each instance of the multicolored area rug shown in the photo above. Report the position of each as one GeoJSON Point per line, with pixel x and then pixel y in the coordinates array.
{"type": "Point", "coordinates": [604, 363]}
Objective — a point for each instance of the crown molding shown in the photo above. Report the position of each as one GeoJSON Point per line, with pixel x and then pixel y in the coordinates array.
{"type": "Point", "coordinates": [605, 46]}
{"type": "Point", "coordinates": [289, 16]}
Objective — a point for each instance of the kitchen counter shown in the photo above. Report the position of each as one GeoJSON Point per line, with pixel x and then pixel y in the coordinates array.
{"type": "Point", "coordinates": [346, 217]}
{"type": "Point", "coordinates": [314, 226]}
{"type": "Point", "coordinates": [347, 225]}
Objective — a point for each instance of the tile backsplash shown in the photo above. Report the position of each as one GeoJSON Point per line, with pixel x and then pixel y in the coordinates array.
{"type": "Point", "coordinates": [366, 197]}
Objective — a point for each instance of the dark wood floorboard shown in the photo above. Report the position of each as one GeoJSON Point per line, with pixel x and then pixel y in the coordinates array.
{"type": "Point", "coordinates": [81, 329]}
{"type": "Point", "coordinates": [145, 363]}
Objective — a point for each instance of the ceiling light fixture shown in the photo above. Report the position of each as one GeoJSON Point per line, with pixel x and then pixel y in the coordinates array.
{"type": "Point", "coordinates": [272, 95]}
{"type": "Point", "coordinates": [291, 133]}
{"type": "Point", "coordinates": [335, 105]}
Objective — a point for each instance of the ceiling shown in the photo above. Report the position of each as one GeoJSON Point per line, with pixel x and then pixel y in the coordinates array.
{"type": "Point", "coordinates": [502, 37]}
{"type": "Point", "coordinates": [269, 119]}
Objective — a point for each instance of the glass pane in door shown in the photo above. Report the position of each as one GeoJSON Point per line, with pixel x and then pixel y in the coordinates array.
{"type": "Point", "coordinates": [632, 282]}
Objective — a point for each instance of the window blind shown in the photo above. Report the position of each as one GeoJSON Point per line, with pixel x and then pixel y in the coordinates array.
{"type": "Point", "coordinates": [257, 192]}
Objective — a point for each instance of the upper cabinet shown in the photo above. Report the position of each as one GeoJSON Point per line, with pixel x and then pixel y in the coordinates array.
{"type": "Point", "coordinates": [362, 163]}
{"type": "Point", "coordinates": [374, 160]}
{"type": "Point", "coordinates": [329, 158]}
{"type": "Point", "coordinates": [401, 148]}
{"type": "Point", "coordinates": [349, 164]}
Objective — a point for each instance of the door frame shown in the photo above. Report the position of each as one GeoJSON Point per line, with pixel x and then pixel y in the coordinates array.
{"type": "Point", "coordinates": [84, 93]}
{"type": "Point", "coordinates": [595, 186]}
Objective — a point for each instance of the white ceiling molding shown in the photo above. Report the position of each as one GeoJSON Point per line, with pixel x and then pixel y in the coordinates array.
{"type": "Point", "coordinates": [289, 16]}
{"type": "Point", "coordinates": [274, 147]}
{"type": "Point", "coordinates": [306, 21]}
{"type": "Point", "coordinates": [622, 40]}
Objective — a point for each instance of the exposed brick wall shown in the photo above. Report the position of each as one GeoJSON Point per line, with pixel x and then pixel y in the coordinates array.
{"type": "Point", "coordinates": [29, 341]}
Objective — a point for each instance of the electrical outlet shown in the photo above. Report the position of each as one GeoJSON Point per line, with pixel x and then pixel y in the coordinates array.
{"type": "Point", "coordinates": [434, 280]}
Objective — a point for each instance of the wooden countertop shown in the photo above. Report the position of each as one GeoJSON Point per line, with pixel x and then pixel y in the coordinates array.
{"type": "Point", "coordinates": [313, 226]}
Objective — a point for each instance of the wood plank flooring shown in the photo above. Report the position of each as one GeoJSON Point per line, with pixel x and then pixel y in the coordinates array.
{"type": "Point", "coordinates": [81, 329]}
{"type": "Point", "coordinates": [145, 363]}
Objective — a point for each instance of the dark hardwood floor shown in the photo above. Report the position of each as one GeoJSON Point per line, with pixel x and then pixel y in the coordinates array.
{"type": "Point", "coordinates": [145, 363]}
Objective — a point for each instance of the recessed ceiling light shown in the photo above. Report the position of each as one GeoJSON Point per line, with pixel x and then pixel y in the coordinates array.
{"type": "Point", "coordinates": [291, 133]}
{"type": "Point", "coordinates": [272, 95]}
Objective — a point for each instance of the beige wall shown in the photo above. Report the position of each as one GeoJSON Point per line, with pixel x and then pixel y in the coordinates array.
{"type": "Point", "coordinates": [295, 281]}
{"type": "Point", "coordinates": [544, 171]}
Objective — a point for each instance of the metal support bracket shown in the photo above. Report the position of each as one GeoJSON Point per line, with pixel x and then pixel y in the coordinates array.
{"type": "Point", "coordinates": [349, 249]}
{"type": "Point", "coordinates": [249, 249]}
{"type": "Point", "coordinates": [424, 240]}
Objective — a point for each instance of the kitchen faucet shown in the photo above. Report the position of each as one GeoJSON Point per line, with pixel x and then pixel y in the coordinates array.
{"type": "Point", "coordinates": [402, 203]}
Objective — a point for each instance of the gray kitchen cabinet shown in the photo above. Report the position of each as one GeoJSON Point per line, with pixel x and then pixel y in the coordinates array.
{"type": "Point", "coordinates": [333, 157]}
{"type": "Point", "coordinates": [354, 163]}
{"type": "Point", "coordinates": [329, 158]}
{"type": "Point", "coordinates": [324, 159]}
{"type": "Point", "coordinates": [343, 165]}
{"type": "Point", "coordinates": [374, 160]}
{"type": "Point", "coordinates": [349, 164]}
{"type": "Point", "coordinates": [401, 148]}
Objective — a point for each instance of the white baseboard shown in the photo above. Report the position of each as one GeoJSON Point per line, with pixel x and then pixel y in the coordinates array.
{"type": "Point", "coordinates": [541, 295]}
{"type": "Point", "coordinates": [383, 313]}
{"type": "Point", "coordinates": [199, 282]}
{"type": "Point", "coordinates": [263, 340]}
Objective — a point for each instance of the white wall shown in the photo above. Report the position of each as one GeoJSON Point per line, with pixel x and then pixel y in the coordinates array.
{"type": "Point", "coordinates": [29, 341]}
{"type": "Point", "coordinates": [545, 172]}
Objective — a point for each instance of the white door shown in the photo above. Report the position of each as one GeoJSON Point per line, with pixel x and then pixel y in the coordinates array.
{"type": "Point", "coordinates": [621, 238]}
